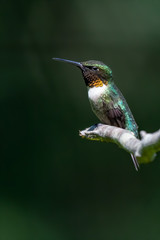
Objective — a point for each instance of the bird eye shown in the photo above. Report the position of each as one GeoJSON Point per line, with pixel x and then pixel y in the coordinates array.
{"type": "Point", "coordinates": [95, 68]}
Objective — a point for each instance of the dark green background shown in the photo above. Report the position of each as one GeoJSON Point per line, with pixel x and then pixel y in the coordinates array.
{"type": "Point", "coordinates": [53, 184]}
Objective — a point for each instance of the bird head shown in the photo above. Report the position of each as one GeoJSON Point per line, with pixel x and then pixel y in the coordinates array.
{"type": "Point", "coordinates": [95, 73]}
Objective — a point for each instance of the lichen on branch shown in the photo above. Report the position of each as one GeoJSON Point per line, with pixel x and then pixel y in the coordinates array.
{"type": "Point", "coordinates": [144, 149]}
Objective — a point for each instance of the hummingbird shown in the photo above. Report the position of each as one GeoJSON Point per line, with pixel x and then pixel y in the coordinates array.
{"type": "Point", "coordinates": [107, 101]}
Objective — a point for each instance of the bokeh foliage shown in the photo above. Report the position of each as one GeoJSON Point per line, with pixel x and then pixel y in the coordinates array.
{"type": "Point", "coordinates": [55, 185]}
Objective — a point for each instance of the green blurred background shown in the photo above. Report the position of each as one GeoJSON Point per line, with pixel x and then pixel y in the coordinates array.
{"type": "Point", "coordinates": [53, 184]}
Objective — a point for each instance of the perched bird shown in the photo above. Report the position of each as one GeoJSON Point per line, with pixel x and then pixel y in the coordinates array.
{"type": "Point", "coordinates": [106, 100]}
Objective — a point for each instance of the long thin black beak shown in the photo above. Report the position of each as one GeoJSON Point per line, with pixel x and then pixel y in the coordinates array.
{"type": "Point", "coordinates": [78, 64]}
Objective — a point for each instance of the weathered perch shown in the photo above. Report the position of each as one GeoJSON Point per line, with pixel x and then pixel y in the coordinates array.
{"type": "Point", "coordinates": [145, 149]}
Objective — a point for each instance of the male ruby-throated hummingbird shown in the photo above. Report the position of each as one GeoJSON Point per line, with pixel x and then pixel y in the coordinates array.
{"type": "Point", "coordinates": [106, 100]}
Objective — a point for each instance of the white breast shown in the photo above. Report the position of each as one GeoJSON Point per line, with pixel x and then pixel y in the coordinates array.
{"type": "Point", "coordinates": [95, 93]}
{"type": "Point", "coordinates": [97, 96]}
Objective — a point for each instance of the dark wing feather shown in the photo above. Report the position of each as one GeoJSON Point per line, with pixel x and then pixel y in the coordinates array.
{"type": "Point", "coordinates": [116, 117]}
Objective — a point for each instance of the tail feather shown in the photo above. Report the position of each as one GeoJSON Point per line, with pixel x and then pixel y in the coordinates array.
{"type": "Point", "coordinates": [135, 162]}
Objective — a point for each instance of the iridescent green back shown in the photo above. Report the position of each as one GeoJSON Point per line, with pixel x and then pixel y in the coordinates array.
{"type": "Point", "coordinates": [129, 119]}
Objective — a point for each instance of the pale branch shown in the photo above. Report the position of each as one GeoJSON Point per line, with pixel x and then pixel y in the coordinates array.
{"type": "Point", "coordinates": [144, 149]}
